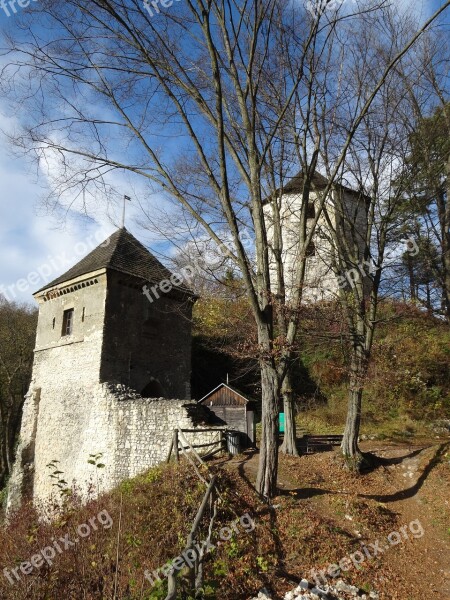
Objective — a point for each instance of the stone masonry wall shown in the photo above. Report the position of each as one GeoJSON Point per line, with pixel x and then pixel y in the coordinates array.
{"type": "Point", "coordinates": [145, 341]}
{"type": "Point", "coordinates": [144, 429]}
{"type": "Point", "coordinates": [132, 434]}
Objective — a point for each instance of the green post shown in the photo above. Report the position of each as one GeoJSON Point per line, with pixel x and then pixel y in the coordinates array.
{"type": "Point", "coordinates": [281, 419]}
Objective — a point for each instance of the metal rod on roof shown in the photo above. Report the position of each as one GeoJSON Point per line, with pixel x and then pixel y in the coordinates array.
{"type": "Point", "coordinates": [123, 212]}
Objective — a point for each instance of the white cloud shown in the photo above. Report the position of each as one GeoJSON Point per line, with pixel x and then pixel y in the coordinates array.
{"type": "Point", "coordinates": [35, 242]}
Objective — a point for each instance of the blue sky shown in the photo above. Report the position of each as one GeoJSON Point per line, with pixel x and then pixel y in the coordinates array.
{"type": "Point", "coordinates": [34, 242]}
{"type": "Point", "coordinates": [30, 238]}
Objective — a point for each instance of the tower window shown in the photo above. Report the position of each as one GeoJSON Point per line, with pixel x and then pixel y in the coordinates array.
{"type": "Point", "coordinates": [83, 314]}
{"type": "Point", "coordinates": [67, 322]}
{"type": "Point", "coordinates": [311, 211]}
{"type": "Point", "coordinates": [311, 249]}
{"type": "Point", "coordinates": [54, 321]}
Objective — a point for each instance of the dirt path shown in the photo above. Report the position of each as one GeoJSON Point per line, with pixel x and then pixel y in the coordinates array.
{"type": "Point", "coordinates": [418, 495]}
{"type": "Point", "coordinates": [413, 482]}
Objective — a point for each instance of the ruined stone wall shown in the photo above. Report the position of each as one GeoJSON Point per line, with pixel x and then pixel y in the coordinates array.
{"type": "Point", "coordinates": [132, 434]}
{"type": "Point", "coordinates": [144, 428]}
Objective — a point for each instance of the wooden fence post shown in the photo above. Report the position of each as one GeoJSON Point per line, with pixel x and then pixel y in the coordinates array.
{"type": "Point", "coordinates": [189, 445]}
{"type": "Point", "coordinates": [196, 572]}
{"type": "Point", "coordinates": [170, 449]}
{"type": "Point", "coordinates": [175, 445]}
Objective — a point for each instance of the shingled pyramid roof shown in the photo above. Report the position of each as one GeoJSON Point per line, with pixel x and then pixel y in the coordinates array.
{"type": "Point", "coordinates": [120, 252]}
{"type": "Point", "coordinates": [295, 184]}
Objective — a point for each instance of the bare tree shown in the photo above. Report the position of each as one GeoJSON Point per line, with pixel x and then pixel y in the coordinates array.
{"type": "Point", "coordinates": [375, 166]}
{"type": "Point", "coordinates": [17, 332]}
{"type": "Point", "coordinates": [180, 100]}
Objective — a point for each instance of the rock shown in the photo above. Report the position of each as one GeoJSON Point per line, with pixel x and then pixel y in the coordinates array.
{"type": "Point", "coordinates": [263, 595]}
{"type": "Point", "coordinates": [348, 589]}
{"type": "Point", "coordinates": [441, 427]}
{"type": "Point", "coordinates": [340, 591]}
{"type": "Point", "coordinates": [300, 589]}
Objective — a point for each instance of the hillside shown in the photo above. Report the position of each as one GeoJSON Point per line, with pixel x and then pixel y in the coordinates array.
{"type": "Point", "coordinates": [408, 381]}
{"type": "Point", "coordinates": [321, 515]}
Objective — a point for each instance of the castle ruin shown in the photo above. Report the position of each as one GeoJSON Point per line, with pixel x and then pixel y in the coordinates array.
{"type": "Point", "coordinates": [111, 373]}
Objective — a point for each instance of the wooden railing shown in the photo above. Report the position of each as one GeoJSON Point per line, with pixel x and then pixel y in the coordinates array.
{"type": "Point", "coordinates": [178, 436]}
{"type": "Point", "coordinates": [194, 545]}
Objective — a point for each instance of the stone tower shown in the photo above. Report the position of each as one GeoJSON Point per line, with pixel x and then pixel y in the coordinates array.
{"type": "Point", "coordinates": [321, 282]}
{"type": "Point", "coordinates": [96, 325]}
{"type": "Point", "coordinates": [111, 371]}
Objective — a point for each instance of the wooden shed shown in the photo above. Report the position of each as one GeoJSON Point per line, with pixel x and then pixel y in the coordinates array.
{"type": "Point", "coordinates": [233, 409]}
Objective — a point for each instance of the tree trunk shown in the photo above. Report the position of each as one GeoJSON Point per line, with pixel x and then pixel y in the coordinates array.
{"type": "Point", "coordinates": [412, 279]}
{"type": "Point", "coordinates": [443, 209]}
{"type": "Point", "coordinates": [350, 448]}
{"type": "Point", "coordinates": [446, 245]}
{"type": "Point", "coordinates": [428, 305]}
{"type": "Point", "coordinates": [289, 445]}
{"type": "Point", "coordinates": [266, 481]}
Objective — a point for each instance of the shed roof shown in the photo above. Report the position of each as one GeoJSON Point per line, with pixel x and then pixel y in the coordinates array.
{"type": "Point", "coordinates": [225, 395]}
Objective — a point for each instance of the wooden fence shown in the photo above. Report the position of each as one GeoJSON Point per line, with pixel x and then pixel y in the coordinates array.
{"type": "Point", "coordinates": [178, 436]}
{"type": "Point", "coordinates": [196, 547]}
